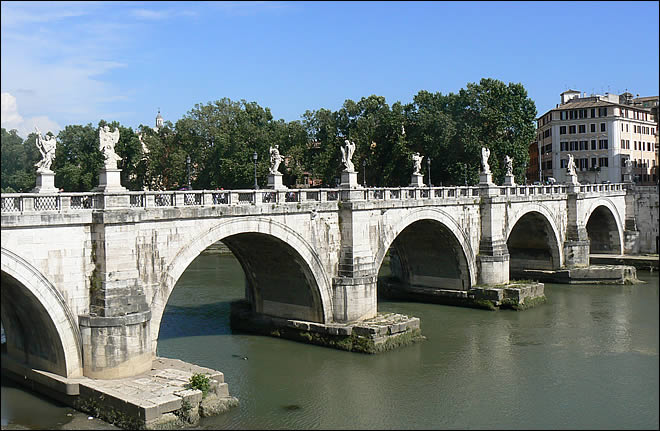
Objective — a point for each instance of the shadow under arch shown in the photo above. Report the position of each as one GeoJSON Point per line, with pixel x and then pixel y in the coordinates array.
{"type": "Point", "coordinates": [40, 330]}
{"type": "Point", "coordinates": [420, 241]}
{"type": "Point", "coordinates": [285, 275]}
{"type": "Point", "coordinates": [604, 228]}
{"type": "Point", "coordinates": [533, 241]}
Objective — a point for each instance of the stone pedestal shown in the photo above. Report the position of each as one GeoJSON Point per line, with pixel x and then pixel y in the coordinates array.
{"type": "Point", "coordinates": [45, 182]}
{"type": "Point", "coordinates": [275, 181]}
{"type": "Point", "coordinates": [417, 180]}
{"type": "Point", "coordinates": [349, 180]}
{"type": "Point", "coordinates": [486, 178]}
{"type": "Point", "coordinates": [627, 178]}
{"type": "Point", "coordinates": [110, 181]}
{"type": "Point", "coordinates": [509, 180]}
{"type": "Point", "coordinates": [572, 180]}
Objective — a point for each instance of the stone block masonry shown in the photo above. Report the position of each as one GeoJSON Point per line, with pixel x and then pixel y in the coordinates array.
{"type": "Point", "coordinates": [160, 398]}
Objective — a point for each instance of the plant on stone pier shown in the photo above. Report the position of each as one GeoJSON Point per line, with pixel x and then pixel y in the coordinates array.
{"type": "Point", "coordinates": [201, 382]}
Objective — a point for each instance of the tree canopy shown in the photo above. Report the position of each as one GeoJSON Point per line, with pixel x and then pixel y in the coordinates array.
{"type": "Point", "coordinates": [220, 138]}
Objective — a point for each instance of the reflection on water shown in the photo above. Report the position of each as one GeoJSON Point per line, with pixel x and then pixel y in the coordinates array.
{"type": "Point", "coordinates": [586, 359]}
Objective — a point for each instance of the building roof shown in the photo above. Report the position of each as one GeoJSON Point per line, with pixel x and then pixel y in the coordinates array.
{"type": "Point", "coordinates": [591, 102]}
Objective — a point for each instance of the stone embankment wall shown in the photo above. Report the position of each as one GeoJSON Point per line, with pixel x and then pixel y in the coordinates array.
{"type": "Point", "coordinates": [647, 217]}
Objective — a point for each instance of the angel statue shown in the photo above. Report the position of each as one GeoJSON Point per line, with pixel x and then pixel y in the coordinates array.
{"type": "Point", "coordinates": [417, 163]}
{"type": "Point", "coordinates": [275, 159]}
{"type": "Point", "coordinates": [570, 166]}
{"type": "Point", "coordinates": [347, 154]}
{"type": "Point", "coordinates": [107, 142]}
{"type": "Point", "coordinates": [508, 164]}
{"type": "Point", "coordinates": [628, 165]}
{"type": "Point", "coordinates": [46, 145]}
{"type": "Point", "coordinates": [485, 154]}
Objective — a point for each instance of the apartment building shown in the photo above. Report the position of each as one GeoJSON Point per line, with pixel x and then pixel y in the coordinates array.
{"type": "Point", "coordinates": [601, 132]}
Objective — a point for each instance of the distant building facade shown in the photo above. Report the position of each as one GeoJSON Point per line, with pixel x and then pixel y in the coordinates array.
{"type": "Point", "coordinates": [601, 132]}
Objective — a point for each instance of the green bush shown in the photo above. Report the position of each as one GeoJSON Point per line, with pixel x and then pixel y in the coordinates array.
{"type": "Point", "coordinates": [201, 382]}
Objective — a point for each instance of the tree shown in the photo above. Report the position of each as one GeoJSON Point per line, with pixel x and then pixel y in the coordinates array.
{"type": "Point", "coordinates": [221, 138]}
{"type": "Point", "coordinates": [18, 173]}
{"type": "Point", "coordinates": [500, 117]}
{"type": "Point", "coordinates": [78, 158]}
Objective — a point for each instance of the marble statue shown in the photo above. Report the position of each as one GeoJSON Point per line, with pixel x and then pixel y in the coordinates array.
{"type": "Point", "coordinates": [417, 163]}
{"type": "Point", "coordinates": [346, 155]}
{"type": "Point", "coordinates": [628, 165]}
{"type": "Point", "coordinates": [46, 145]}
{"type": "Point", "coordinates": [508, 163]}
{"type": "Point", "coordinates": [275, 159]}
{"type": "Point", "coordinates": [485, 154]}
{"type": "Point", "coordinates": [107, 142]}
{"type": "Point", "coordinates": [570, 166]}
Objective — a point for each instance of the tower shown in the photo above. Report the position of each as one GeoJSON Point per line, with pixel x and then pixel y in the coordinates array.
{"type": "Point", "coordinates": [159, 120]}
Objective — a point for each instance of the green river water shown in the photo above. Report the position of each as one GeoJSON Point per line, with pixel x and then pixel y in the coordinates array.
{"type": "Point", "coordinates": [587, 359]}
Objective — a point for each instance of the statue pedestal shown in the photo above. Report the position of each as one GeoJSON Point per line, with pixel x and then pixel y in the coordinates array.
{"type": "Point", "coordinates": [275, 181]}
{"type": "Point", "coordinates": [45, 182]}
{"type": "Point", "coordinates": [417, 180]}
{"type": "Point", "coordinates": [572, 180]}
{"type": "Point", "coordinates": [349, 180]}
{"type": "Point", "coordinates": [110, 181]}
{"type": "Point", "coordinates": [627, 178]}
{"type": "Point", "coordinates": [509, 180]}
{"type": "Point", "coordinates": [486, 178]}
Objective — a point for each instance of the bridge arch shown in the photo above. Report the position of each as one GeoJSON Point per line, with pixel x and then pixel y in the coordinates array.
{"type": "Point", "coordinates": [533, 239]}
{"type": "Point", "coordinates": [432, 221]}
{"type": "Point", "coordinates": [236, 234]}
{"type": "Point", "coordinates": [40, 329]}
{"type": "Point", "coordinates": [604, 227]}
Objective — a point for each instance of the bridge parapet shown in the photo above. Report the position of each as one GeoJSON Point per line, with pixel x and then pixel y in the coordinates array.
{"type": "Point", "coordinates": [37, 202]}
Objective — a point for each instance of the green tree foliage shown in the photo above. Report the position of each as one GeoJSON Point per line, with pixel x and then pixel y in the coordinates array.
{"type": "Point", "coordinates": [221, 137]}
{"type": "Point", "coordinates": [163, 167]}
{"type": "Point", "coordinates": [78, 158]}
{"type": "Point", "coordinates": [451, 129]}
{"type": "Point", "coordinates": [18, 160]}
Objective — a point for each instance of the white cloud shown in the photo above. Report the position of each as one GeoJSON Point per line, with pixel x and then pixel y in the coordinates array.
{"type": "Point", "coordinates": [10, 116]}
{"type": "Point", "coordinates": [12, 119]}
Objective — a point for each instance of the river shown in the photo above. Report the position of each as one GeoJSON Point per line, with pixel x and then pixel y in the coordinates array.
{"type": "Point", "coordinates": [587, 359]}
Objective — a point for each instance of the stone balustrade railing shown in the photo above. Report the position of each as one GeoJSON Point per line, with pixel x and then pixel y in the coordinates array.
{"type": "Point", "coordinates": [34, 202]}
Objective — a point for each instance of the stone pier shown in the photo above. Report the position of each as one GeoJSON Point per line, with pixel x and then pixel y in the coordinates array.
{"type": "Point", "coordinates": [161, 398]}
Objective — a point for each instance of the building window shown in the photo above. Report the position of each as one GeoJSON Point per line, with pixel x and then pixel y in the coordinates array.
{"type": "Point", "coordinates": [563, 163]}
{"type": "Point", "coordinates": [602, 162]}
{"type": "Point", "coordinates": [562, 146]}
{"type": "Point", "coordinates": [593, 162]}
{"type": "Point", "coordinates": [593, 127]}
{"type": "Point", "coordinates": [602, 127]}
{"type": "Point", "coordinates": [546, 133]}
{"type": "Point", "coordinates": [571, 130]}
{"type": "Point", "coordinates": [593, 112]}
{"type": "Point", "coordinates": [602, 144]}
{"type": "Point", "coordinates": [626, 127]}
{"type": "Point", "coordinates": [562, 130]}
{"type": "Point", "coordinates": [635, 144]}
{"type": "Point", "coordinates": [583, 128]}
{"type": "Point", "coordinates": [602, 112]}
{"type": "Point", "coordinates": [593, 144]}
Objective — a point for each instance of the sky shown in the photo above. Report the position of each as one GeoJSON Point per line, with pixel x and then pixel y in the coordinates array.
{"type": "Point", "coordinates": [65, 63]}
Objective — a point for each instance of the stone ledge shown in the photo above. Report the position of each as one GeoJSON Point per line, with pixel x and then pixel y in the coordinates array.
{"type": "Point", "coordinates": [128, 319]}
{"type": "Point", "coordinates": [385, 331]}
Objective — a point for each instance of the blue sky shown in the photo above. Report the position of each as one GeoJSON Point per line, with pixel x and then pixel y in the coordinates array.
{"type": "Point", "coordinates": [79, 62]}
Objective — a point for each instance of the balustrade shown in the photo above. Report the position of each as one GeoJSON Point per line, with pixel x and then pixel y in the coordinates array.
{"type": "Point", "coordinates": [27, 202]}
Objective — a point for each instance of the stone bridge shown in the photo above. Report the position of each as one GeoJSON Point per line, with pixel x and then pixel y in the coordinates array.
{"type": "Point", "coordinates": [86, 276]}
